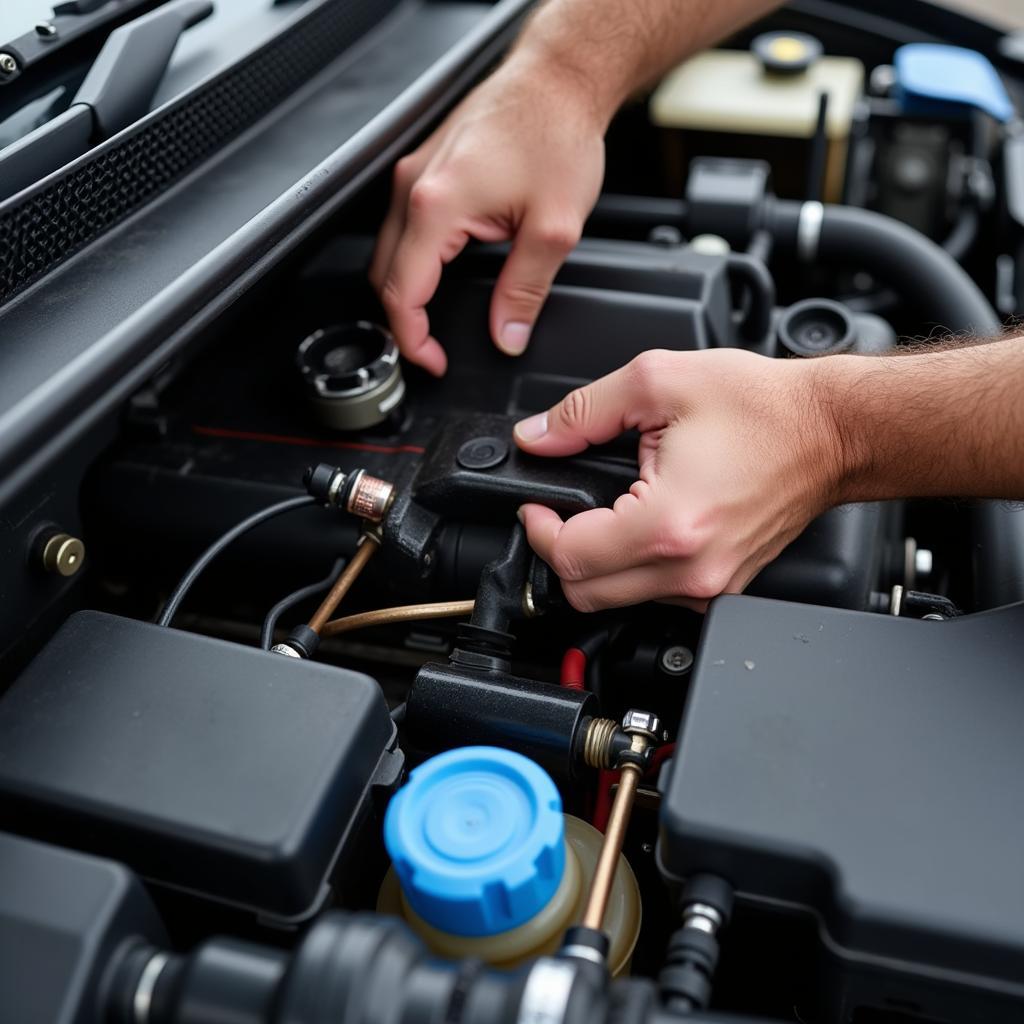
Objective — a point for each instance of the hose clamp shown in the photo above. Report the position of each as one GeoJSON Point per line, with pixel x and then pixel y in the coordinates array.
{"type": "Point", "coordinates": [545, 998]}
{"type": "Point", "coordinates": [808, 231]}
{"type": "Point", "coordinates": [143, 998]}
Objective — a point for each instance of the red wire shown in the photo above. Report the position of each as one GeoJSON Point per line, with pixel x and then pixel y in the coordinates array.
{"type": "Point", "coordinates": [307, 442]}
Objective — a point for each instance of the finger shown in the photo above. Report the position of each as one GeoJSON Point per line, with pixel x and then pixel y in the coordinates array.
{"type": "Point", "coordinates": [384, 250]}
{"type": "Point", "coordinates": [618, 590]}
{"type": "Point", "coordinates": [635, 396]}
{"type": "Point", "coordinates": [426, 244]}
{"type": "Point", "coordinates": [540, 247]}
{"type": "Point", "coordinates": [599, 541]}
{"type": "Point", "coordinates": [394, 223]}
{"type": "Point", "coordinates": [679, 582]}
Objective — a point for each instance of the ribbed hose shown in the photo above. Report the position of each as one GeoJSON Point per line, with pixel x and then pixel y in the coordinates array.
{"type": "Point", "coordinates": [927, 275]}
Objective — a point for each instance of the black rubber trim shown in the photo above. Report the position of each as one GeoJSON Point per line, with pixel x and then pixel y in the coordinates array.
{"type": "Point", "coordinates": [43, 225]}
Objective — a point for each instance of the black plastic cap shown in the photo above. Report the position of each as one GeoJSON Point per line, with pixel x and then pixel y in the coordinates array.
{"type": "Point", "coordinates": [711, 890]}
{"type": "Point", "coordinates": [317, 480]}
{"type": "Point", "coordinates": [304, 640]}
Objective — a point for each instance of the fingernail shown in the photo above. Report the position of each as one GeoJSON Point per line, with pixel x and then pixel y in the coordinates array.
{"type": "Point", "coordinates": [520, 516]}
{"type": "Point", "coordinates": [515, 336]}
{"type": "Point", "coordinates": [532, 428]}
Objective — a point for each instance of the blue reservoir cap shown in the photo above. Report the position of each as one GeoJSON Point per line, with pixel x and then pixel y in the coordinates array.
{"type": "Point", "coordinates": [948, 81]}
{"type": "Point", "coordinates": [477, 839]}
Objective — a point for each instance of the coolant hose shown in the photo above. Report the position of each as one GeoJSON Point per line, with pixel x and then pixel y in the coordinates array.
{"type": "Point", "coordinates": [890, 250]}
{"type": "Point", "coordinates": [929, 276]}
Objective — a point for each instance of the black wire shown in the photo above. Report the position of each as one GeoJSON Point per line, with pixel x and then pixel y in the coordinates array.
{"type": "Point", "coordinates": [174, 601]}
{"type": "Point", "coordinates": [300, 595]}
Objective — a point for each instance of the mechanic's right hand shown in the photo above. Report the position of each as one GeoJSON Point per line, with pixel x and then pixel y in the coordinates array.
{"type": "Point", "coordinates": [521, 158]}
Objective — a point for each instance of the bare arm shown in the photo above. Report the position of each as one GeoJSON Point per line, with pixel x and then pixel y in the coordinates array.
{"type": "Point", "coordinates": [614, 48]}
{"type": "Point", "coordinates": [738, 453]}
{"type": "Point", "coordinates": [930, 423]}
{"type": "Point", "coordinates": [522, 157]}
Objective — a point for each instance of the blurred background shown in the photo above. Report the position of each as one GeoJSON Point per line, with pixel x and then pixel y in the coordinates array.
{"type": "Point", "coordinates": [1002, 12]}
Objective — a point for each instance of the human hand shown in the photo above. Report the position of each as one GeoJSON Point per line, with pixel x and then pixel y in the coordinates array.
{"type": "Point", "coordinates": [521, 158]}
{"type": "Point", "coordinates": [738, 453]}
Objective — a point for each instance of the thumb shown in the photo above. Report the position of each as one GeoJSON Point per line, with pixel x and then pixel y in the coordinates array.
{"type": "Point", "coordinates": [596, 412]}
{"type": "Point", "coordinates": [537, 253]}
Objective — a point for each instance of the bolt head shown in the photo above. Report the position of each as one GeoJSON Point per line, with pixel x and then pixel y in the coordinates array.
{"type": "Point", "coordinates": [8, 65]}
{"type": "Point", "coordinates": [641, 721]}
{"type": "Point", "coordinates": [676, 660]}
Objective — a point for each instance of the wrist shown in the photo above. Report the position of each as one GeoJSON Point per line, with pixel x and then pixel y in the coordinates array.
{"type": "Point", "coordinates": [844, 450]}
{"type": "Point", "coordinates": [546, 69]}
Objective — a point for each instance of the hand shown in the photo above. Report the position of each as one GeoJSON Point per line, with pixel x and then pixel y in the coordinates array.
{"type": "Point", "coordinates": [737, 454]}
{"type": "Point", "coordinates": [521, 158]}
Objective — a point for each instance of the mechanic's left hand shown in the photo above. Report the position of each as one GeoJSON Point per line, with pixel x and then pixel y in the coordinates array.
{"type": "Point", "coordinates": [738, 453]}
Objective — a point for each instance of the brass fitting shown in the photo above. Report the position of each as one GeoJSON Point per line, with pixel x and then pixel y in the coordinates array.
{"type": "Point", "coordinates": [598, 749]}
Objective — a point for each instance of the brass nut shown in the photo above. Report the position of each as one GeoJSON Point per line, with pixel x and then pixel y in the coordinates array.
{"type": "Point", "coordinates": [63, 554]}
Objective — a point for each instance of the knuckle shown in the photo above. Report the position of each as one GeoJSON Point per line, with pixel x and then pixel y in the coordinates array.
{"type": "Point", "coordinates": [526, 293]}
{"type": "Point", "coordinates": [674, 538]}
{"type": "Point", "coordinates": [580, 599]}
{"type": "Point", "coordinates": [649, 368]}
{"type": "Point", "coordinates": [559, 235]}
{"type": "Point", "coordinates": [566, 566]}
{"type": "Point", "coordinates": [707, 580]}
{"type": "Point", "coordinates": [390, 298]}
{"type": "Point", "coordinates": [404, 173]}
{"type": "Point", "coordinates": [575, 409]}
{"type": "Point", "coordinates": [426, 195]}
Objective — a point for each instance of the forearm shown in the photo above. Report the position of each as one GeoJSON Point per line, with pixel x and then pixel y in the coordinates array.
{"type": "Point", "coordinates": [939, 423]}
{"type": "Point", "coordinates": [610, 48]}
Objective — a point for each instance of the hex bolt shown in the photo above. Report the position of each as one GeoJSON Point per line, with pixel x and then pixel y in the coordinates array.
{"type": "Point", "coordinates": [676, 660]}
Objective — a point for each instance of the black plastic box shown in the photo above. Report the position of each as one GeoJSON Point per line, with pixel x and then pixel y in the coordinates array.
{"type": "Point", "coordinates": [867, 770]}
{"type": "Point", "coordinates": [208, 766]}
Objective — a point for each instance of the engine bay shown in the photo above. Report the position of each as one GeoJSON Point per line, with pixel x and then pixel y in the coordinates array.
{"type": "Point", "coordinates": [295, 739]}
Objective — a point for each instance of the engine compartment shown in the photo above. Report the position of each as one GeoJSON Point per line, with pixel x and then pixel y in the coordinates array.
{"type": "Point", "coordinates": [243, 765]}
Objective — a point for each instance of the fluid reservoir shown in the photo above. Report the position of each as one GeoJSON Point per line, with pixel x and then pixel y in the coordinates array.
{"type": "Point", "coordinates": [768, 95]}
{"type": "Point", "coordinates": [485, 864]}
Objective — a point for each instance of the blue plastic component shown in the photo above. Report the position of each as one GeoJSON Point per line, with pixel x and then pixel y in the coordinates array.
{"type": "Point", "coordinates": [948, 81]}
{"type": "Point", "coordinates": [477, 839]}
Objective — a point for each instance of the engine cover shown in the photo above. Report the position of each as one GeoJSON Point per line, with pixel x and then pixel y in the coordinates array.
{"type": "Point", "coordinates": [220, 769]}
{"type": "Point", "coordinates": [865, 769]}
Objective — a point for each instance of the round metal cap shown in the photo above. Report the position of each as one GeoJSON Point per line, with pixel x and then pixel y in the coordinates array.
{"type": "Point", "coordinates": [352, 374]}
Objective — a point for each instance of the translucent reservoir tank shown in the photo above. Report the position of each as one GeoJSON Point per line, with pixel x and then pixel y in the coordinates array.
{"type": "Point", "coordinates": [485, 864]}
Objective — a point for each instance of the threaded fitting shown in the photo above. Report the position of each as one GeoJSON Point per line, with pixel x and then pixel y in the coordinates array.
{"type": "Point", "coordinates": [598, 750]}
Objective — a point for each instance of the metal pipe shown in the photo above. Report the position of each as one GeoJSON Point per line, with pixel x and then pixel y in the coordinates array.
{"type": "Point", "coordinates": [611, 849]}
{"type": "Point", "coordinates": [368, 545]}
{"type": "Point", "coordinates": [401, 613]}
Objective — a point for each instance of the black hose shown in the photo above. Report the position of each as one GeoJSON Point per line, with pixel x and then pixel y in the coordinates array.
{"type": "Point", "coordinates": [174, 601]}
{"type": "Point", "coordinates": [920, 270]}
{"type": "Point", "coordinates": [897, 255]}
{"type": "Point", "coordinates": [297, 597]}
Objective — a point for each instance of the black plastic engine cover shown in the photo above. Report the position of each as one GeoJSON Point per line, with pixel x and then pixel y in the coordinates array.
{"type": "Point", "coordinates": [212, 767]}
{"type": "Point", "coordinates": [62, 916]}
{"type": "Point", "coordinates": [866, 769]}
